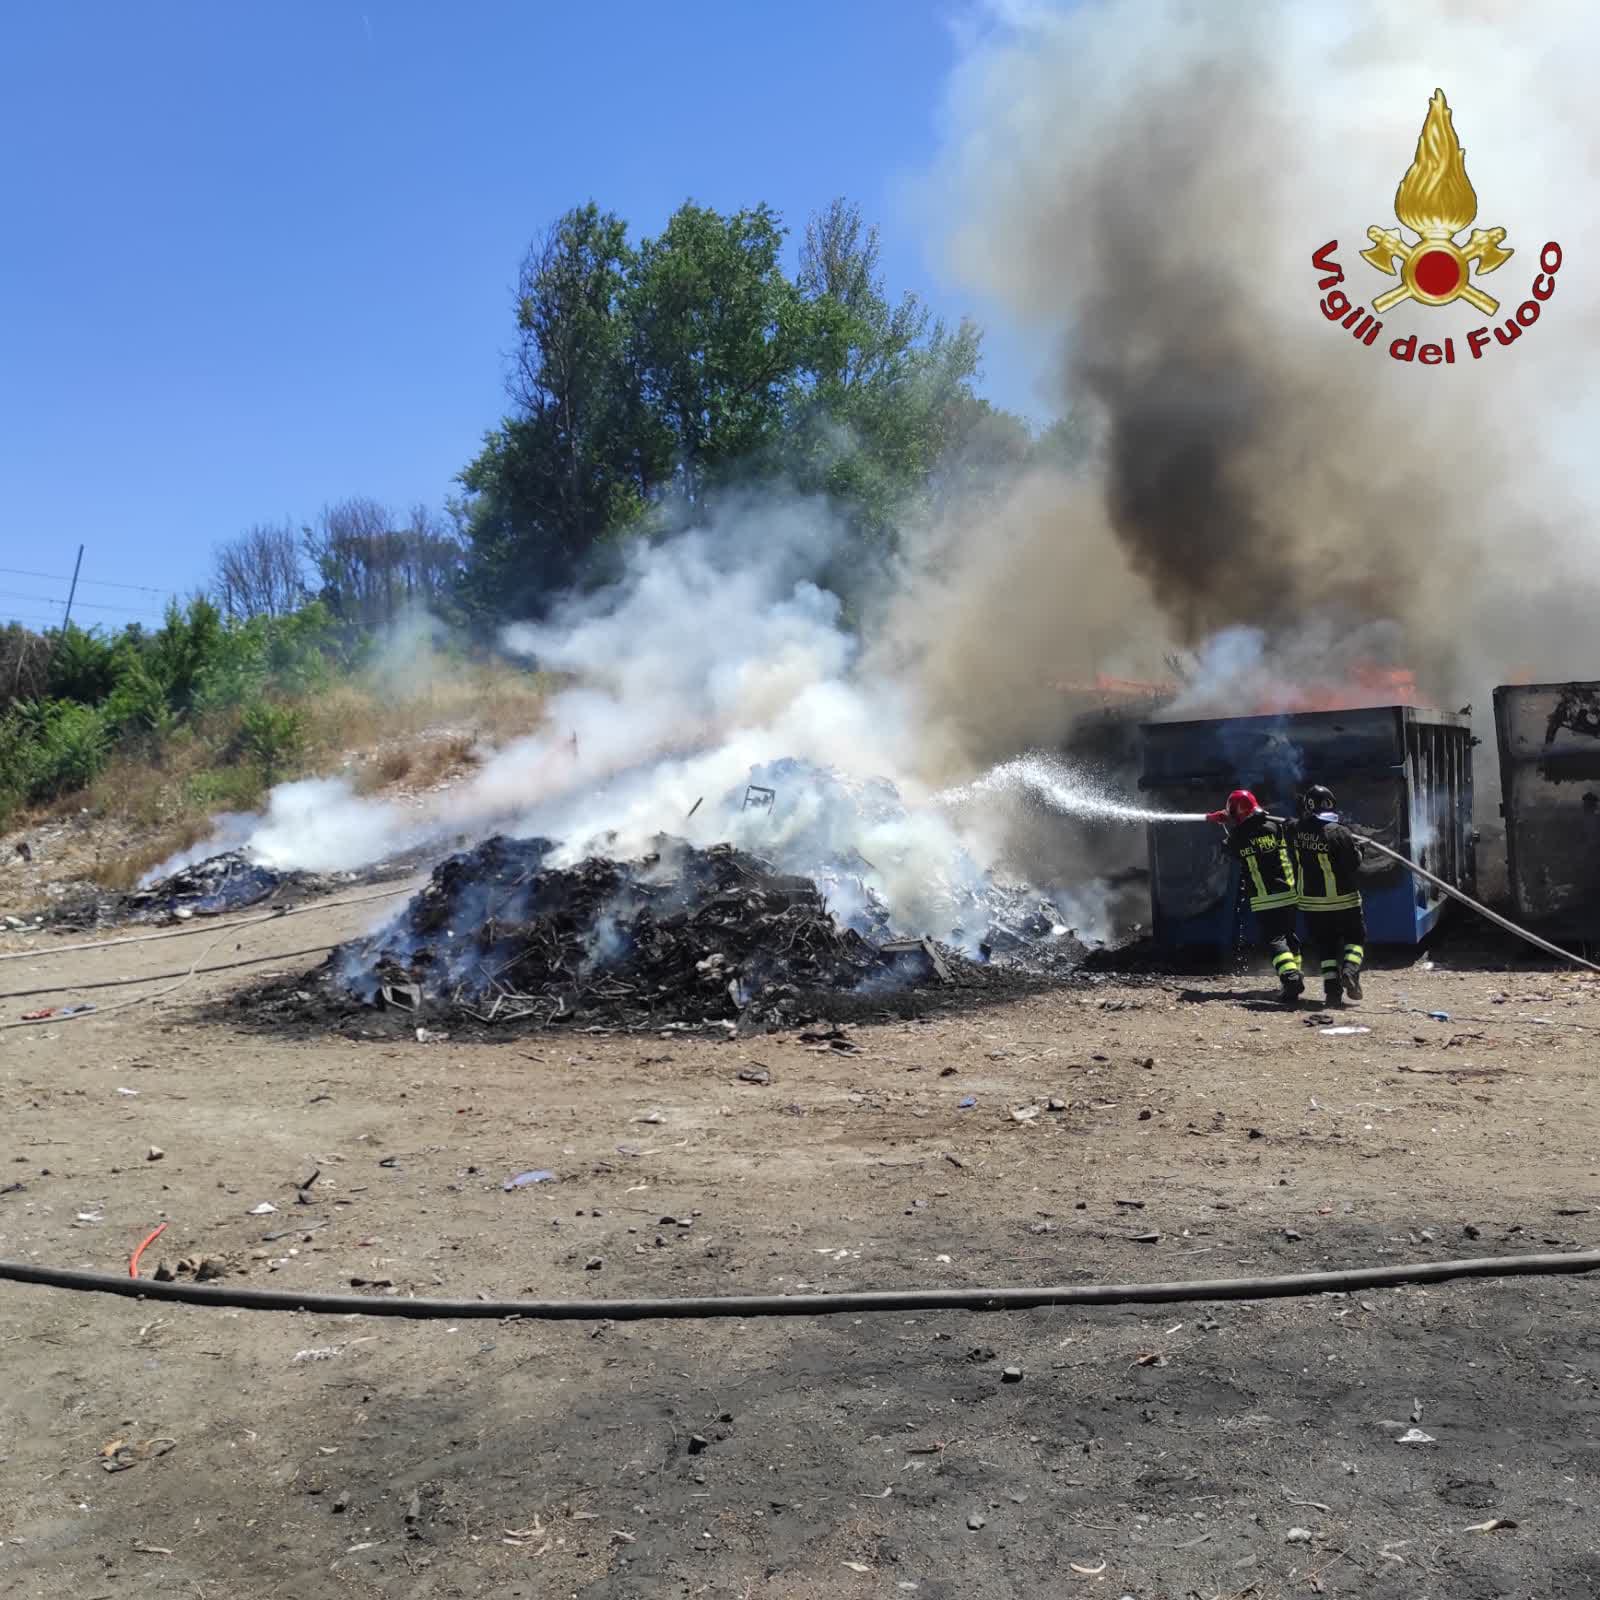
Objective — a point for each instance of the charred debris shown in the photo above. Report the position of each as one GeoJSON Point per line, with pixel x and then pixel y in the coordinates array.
{"type": "Point", "coordinates": [216, 886]}
{"type": "Point", "coordinates": [682, 937]}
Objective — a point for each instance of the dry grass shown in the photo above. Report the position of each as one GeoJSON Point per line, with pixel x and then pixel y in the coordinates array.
{"type": "Point", "coordinates": [419, 764]}
{"type": "Point", "coordinates": [491, 704]}
{"type": "Point", "coordinates": [168, 802]}
{"type": "Point", "coordinates": [123, 872]}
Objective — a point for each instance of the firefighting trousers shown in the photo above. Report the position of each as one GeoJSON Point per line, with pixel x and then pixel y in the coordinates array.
{"type": "Point", "coordinates": [1339, 939]}
{"type": "Point", "coordinates": [1277, 928]}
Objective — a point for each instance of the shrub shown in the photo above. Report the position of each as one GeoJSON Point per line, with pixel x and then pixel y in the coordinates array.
{"type": "Point", "coordinates": [271, 737]}
{"type": "Point", "coordinates": [48, 747]}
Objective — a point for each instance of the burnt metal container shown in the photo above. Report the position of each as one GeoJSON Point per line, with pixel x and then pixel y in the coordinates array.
{"type": "Point", "coordinates": [1401, 774]}
{"type": "Point", "coordinates": [1549, 740]}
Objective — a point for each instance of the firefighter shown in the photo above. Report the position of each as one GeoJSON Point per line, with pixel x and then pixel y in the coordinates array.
{"type": "Point", "coordinates": [1328, 858]}
{"type": "Point", "coordinates": [1261, 844]}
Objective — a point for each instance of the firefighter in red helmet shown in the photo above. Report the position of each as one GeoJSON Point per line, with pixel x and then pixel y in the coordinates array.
{"type": "Point", "coordinates": [1261, 845]}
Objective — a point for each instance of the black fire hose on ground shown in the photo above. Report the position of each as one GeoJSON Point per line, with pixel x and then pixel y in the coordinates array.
{"type": "Point", "coordinates": [806, 1305]}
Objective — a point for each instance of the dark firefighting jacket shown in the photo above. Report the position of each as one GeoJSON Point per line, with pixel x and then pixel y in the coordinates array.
{"type": "Point", "coordinates": [1264, 854]}
{"type": "Point", "coordinates": [1328, 860]}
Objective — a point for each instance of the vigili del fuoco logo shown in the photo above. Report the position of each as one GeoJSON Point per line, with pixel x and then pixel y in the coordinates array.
{"type": "Point", "coordinates": [1436, 202]}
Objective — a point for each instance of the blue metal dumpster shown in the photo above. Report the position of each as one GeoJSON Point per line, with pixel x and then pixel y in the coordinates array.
{"type": "Point", "coordinates": [1400, 773]}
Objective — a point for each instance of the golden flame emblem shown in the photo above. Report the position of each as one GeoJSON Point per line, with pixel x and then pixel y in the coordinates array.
{"type": "Point", "coordinates": [1436, 201]}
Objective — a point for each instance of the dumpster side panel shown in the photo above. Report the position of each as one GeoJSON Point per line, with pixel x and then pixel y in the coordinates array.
{"type": "Point", "coordinates": [1549, 744]}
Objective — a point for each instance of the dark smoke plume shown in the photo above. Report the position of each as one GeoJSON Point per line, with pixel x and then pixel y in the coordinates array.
{"type": "Point", "coordinates": [1152, 184]}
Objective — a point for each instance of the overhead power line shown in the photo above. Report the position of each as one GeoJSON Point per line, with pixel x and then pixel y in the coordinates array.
{"type": "Point", "coordinates": [92, 605]}
{"type": "Point", "coordinates": [66, 577]}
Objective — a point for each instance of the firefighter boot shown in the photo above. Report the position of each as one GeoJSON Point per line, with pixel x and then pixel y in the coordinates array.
{"type": "Point", "coordinates": [1293, 987]}
{"type": "Point", "coordinates": [1351, 973]}
{"type": "Point", "coordinates": [1332, 989]}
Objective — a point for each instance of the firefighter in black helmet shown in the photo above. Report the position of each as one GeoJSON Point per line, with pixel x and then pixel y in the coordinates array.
{"type": "Point", "coordinates": [1328, 859]}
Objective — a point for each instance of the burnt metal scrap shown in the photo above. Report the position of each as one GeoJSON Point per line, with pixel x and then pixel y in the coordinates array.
{"type": "Point", "coordinates": [681, 934]}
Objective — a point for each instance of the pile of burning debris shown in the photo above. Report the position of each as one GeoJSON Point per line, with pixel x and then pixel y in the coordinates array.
{"type": "Point", "coordinates": [682, 934]}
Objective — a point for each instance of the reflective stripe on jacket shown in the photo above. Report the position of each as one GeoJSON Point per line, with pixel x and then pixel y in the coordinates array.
{"type": "Point", "coordinates": [1328, 858]}
{"type": "Point", "coordinates": [1262, 847]}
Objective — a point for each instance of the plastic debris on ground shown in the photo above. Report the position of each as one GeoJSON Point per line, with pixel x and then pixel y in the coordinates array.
{"type": "Point", "coordinates": [521, 1180]}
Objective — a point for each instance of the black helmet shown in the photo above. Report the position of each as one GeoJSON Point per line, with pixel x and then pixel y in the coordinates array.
{"type": "Point", "coordinates": [1316, 799]}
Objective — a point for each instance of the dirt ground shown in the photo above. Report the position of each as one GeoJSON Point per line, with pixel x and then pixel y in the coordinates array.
{"type": "Point", "coordinates": [1198, 1450]}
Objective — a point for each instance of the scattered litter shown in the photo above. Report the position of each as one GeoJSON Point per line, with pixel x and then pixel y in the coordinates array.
{"type": "Point", "coordinates": [1053, 1104]}
{"type": "Point", "coordinates": [968, 1103]}
{"type": "Point", "coordinates": [521, 1180]}
{"type": "Point", "coordinates": [1298, 1536]}
{"type": "Point", "coordinates": [1011, 1375]}
{"type": "Point", "coordinates": [1024, 1113]}
{"type": "Point", "coordinates": [119, 1454]}
{"type": "Point", "coordinates": [1440, 1016]}
{"type": "Point", "coordinates": [91, 1216]}
{"type": "Point", "coordinates": [1339, 1033]}
{"type": "Point", "coordinates": [150, 1550]}
{"type": "Point", "coordinates": [265, 1209]}
{"type": "Point", "coordinates": [130, 1094]}
{"type": "Point", "coordinates": [975, 1522]}
{"type": "Point", "coordinates": [857, 1566]}
{"type": "Point", "coordinates": [431, 1036]}
{"type": "Point", "coordinates": [324, 1353]}
{"type": "Point", "coordinates": [155, 1153]}
{"type": "Point", "coordinates": [1087, 1572]}
{"type": "Point", "coordinates": [1493, 1525]}
{"type": "Point", "coordinates": [1147, 1238]}
{"type": "Point", "coordinates": [1416, 1436]}
{"type": "Point", "coordinates": [756, 1075]}
{"type": "Point", "coordinates": [1150, 1358]}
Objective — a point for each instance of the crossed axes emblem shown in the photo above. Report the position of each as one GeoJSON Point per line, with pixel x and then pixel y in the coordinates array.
{"type": "Point", "coordinates": [1391, 254]}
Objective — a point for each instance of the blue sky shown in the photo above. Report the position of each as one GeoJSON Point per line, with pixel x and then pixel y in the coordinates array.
{"type": "Point", "coordinates": [259, 256]}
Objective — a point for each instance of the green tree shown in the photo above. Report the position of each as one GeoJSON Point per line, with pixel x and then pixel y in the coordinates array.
{"type": "Point", "coordinates": [890, 385]}
{"type": "Point", "coordinates": [649, 377]}
{"type": "Point", "coordinates": [578, 459]}
{"type": "Point", "coordinates": [716, 336]}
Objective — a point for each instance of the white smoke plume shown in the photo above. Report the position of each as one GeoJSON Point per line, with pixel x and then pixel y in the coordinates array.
{"type": "Point", "coordinates": [713, 657]}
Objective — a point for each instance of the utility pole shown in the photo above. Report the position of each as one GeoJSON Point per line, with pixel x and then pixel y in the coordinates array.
{"type": "Point", "coordinates": [72, 592]}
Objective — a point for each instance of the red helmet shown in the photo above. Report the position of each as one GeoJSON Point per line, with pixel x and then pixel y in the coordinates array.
{"type": "Point", "coordinates": [1242, 805]}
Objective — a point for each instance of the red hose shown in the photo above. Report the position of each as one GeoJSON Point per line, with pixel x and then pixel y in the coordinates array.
{"type": "Point", "coordinates": [133, 1260]}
